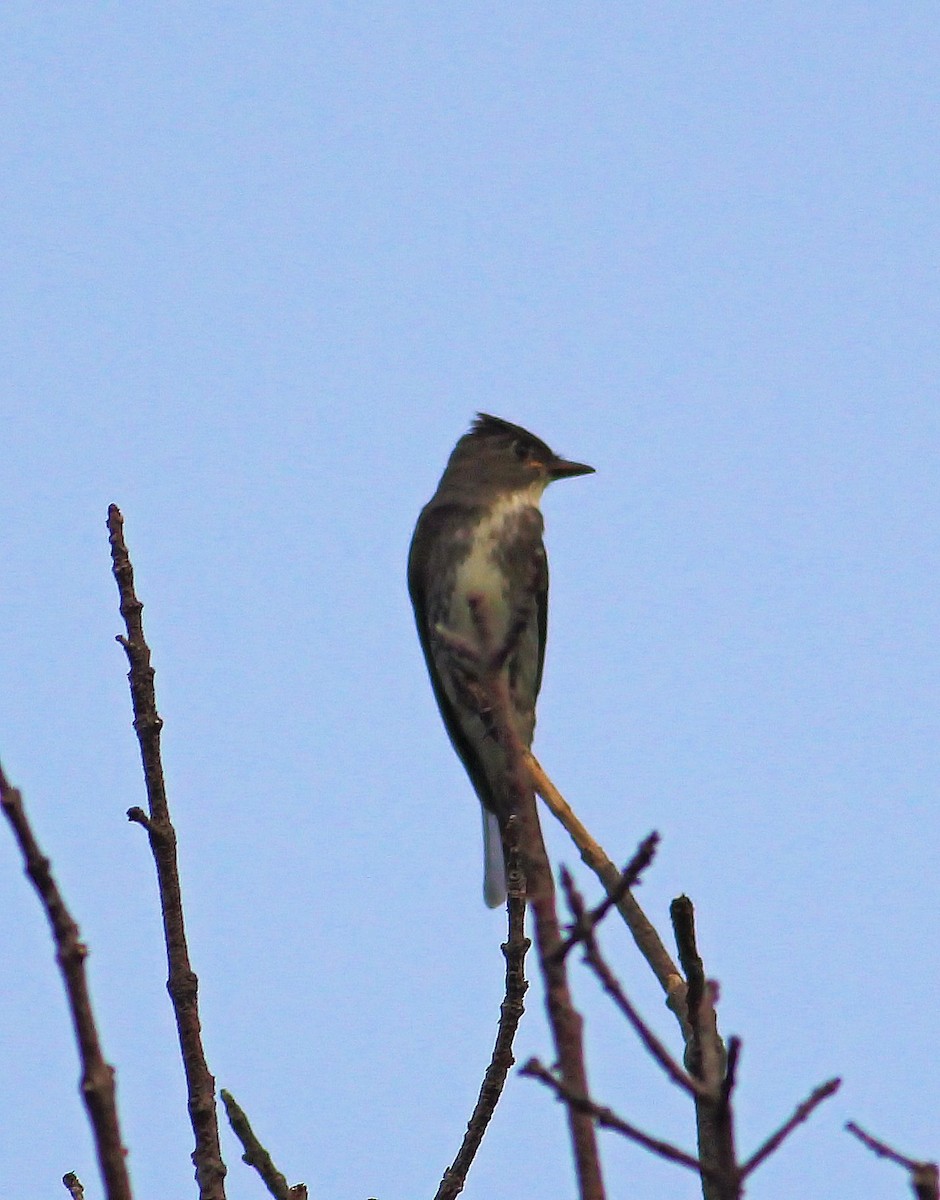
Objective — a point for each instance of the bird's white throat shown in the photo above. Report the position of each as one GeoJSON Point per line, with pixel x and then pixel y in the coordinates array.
{"type": "Point", "coordinates": [480, 574]}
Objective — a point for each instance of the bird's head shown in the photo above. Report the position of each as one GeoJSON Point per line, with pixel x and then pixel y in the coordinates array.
{"type": "Point", "coordinates": [503, 457]}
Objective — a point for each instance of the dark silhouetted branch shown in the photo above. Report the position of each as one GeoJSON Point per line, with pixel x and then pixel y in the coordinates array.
{"type": "Point", "coordinates": [593, 855]}
{"type": "Point", "coordinates": [705, 1059]}
{"type": "Point", "coordinates": [255, 1155]}
{"type": "Point", "coordinates": [925, 1177]}
{"type": "Point", "coordinates": [584, 925]}
{"type": "Point", "coordinates": [629, 877]}
{"type": "Point", "coordinates": [182, 983]}
{"type": "Point", "coordinates": [607, 1118]}
{"type": "Point", "coordinates": [812, 1102]}
{"type": "Point", "coordinates": [565, 1021]}
{"type": "Point", "coordinates": [489, 690]}
{"type": "Point", "coordinates": [97, 1082]}
{"type": "Point", "coordinates": [514, 951]}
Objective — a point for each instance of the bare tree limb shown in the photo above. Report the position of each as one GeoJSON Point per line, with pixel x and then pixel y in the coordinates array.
{"type": "Point", "coordinates": [629, 877]}
{"type": "Point", "coordinates": [607, 1118]}
{"type": "Point", "coordinates": [255, 1155]}
{"type": "Point", "coordinates": [812, 1102]}
{"type": "Point", "coordinates": [705, 1059]}
{"type": "Point", "coordinates": [925, 1177]}
{"type": "Point", "coordinates": [584, 925]}
{"type": "Point", "coordinates": [514, 951]}
{"type": "Point", "coordinates": [565, 1021]}
{"type": "Point", "coordinates": [182, 983]}
{"type": "Point", "coordinates": [97, 1082]}
{"type": "Point", "coordinates": [592, 853]}
{"type": "Point", "coordinates": [490, 691]}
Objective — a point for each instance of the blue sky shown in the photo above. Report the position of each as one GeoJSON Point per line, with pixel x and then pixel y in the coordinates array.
{"type": "Point", "coordinates": [262, 263]}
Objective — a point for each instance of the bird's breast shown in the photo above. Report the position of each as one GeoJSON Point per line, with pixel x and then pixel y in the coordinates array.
{"type": "Point", "coordinates": [485, 602]}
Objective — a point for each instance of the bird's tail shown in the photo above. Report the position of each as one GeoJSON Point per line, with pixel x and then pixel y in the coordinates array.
{"type": "Point", "coordinates": [494, 864]}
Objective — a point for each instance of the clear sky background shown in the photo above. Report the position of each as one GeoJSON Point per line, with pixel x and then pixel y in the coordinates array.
{"type": "Point", "coordinates": [261, 264]}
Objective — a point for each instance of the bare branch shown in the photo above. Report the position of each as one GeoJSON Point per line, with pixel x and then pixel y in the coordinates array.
{"type": "Point", "coordinates": [705, 1059]}
{"type": "Point", "coordinates": [97, 1082]}
{"type": "Point", "coordinates": [612, 986]}
{"type": "Point", "coordinates": [592, 853]}
{"type": "Point", "coordinates": [925, 1178]}
{"type": "Point", "coordinates": [565, 1021]}
{"type": "Point", "coordinates": [823, 1092]}
{"type": "Point", "coordinates": [182, 983]}
{"type": "Point", "coordinates": [705, 1053]}
{"type": "Point", "coordinates": [607, 1118]}
{"type": "Point", "coordinates": [256, 1155]}
{"type": "Point", "coordinates": [514, 951]}
{"type": "Point", "coordinates": [629, 877]}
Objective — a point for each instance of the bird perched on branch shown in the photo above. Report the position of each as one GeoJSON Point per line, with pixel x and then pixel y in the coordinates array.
{"type": "Point", "coordinates": [478, 579]}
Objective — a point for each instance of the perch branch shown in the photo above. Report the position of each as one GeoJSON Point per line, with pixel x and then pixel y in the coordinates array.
{"type": "Point", "coordinates": [514, 951]}
{"type": "Point", "coordinates": [496, 710]}
{"type": "Point", "coordinates": [592, 853]}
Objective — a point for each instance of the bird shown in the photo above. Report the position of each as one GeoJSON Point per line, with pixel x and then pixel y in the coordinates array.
{"type": "Point", "coordinates": [478, 582]}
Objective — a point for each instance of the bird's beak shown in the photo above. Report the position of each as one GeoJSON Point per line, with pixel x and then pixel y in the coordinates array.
{"type": "Point", "coordinates": [561, 468]}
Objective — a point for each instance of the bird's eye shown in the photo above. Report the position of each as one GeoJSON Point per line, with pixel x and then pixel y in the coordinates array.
{"type": "Point", "coordinates": [521, 451]}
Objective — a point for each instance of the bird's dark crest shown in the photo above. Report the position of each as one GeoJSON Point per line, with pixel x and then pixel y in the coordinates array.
{"type": "Point", "coordinates": [489, 426]}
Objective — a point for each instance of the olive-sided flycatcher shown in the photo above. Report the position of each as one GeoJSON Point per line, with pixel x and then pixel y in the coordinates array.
{"type": "Point", "coordinates": [478, 578]}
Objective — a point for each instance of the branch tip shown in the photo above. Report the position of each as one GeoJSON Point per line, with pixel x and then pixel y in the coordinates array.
{"type": "Point", "coordinates": [925, 1176]}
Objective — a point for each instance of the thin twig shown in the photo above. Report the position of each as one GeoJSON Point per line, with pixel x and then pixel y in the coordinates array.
{"type": "Point", "coordinates": [565, 1021]}
{"type": "Point", "coordinates": [255, 1154]}
{"type": "Point", "coordinates": [607, 1118]}
{"type": "Point", "coordinates": [612, 986]}
{"type": "Point", "coordinates": [182, 983]}
{"type": "Point", "coordinates": [592, 853]}
{"type": "Point", "coordinates": [97, 1082]}
{"type": "Point", "coordinates": [629, 877]}
{"type": "Point", "coordinates": [510, 1012]}
{"type": "Point", "coordinates": [823, 1092]}
{"type": "Point", "coordinates": [882, 1149]}
{"type": "Point", "coordinates": [925, 1177]}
